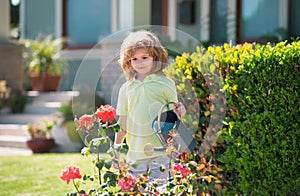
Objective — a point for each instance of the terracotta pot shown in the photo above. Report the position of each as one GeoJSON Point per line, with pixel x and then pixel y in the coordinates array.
{"type": "Point", "coordinates": [45, 83]}
{"type": "Point", "coordinates": [40, 145]}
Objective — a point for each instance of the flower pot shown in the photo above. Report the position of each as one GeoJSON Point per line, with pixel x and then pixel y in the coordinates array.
{"type": "Point", "coordinates": [71, 131]}
{"type": "Point", "coordinates": [40, 145]}
{"type": "Point", "coordinates": [45, 83]}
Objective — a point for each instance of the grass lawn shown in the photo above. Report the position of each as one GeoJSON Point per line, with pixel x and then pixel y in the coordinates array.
{"type": "Point", "coordinates": [39, 174]}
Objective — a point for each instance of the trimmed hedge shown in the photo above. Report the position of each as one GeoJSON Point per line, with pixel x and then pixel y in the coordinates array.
{"type": "Point", "coordinates": [258, 150]}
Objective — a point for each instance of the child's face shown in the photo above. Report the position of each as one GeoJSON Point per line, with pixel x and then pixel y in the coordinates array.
{"type": "Point", "coordinates": [142, 63]}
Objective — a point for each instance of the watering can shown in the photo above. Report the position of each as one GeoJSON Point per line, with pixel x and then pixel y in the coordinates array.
{"type": "Point", "coordinates": [168, 123]}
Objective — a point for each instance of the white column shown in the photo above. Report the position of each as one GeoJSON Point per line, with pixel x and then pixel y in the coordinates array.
{"type": "Point", "coordinates": [172, 7]}
{"type": "Point", "coordinates": [283, 14]}
{"type": "Point", "coordinates": [58, 18]}
{"type": "Point", "coordinates": [126, 13]}
{"type": "Point", "coordinates": [142, 12]}
{"type": "Point", "coordinates": [22, 19]}
{"type": "Point", "coordinates": [114, 15]}
{"type": "Point", "coordinates": [204, 20]}
{"type": "Point", "coordinates": [231, 21]}
{"type": "Point", "coordinates": [4, 21]}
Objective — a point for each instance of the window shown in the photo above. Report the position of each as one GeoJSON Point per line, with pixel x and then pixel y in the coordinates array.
{"type": "Point", "coordinates": [258, 19]}
{"type": "Point", "coordinates": [86, 22]}
{"type": "Point", "coordinates": [294, 18]}
{"type": "Point", "coordinates": [218, 10]}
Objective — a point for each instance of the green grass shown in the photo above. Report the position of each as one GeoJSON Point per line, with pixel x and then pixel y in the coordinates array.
{"type": "Point", "coordinates": [39, 174]}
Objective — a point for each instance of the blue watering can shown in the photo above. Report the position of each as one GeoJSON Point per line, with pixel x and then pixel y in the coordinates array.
{"type": "Point", "coordinates": [166, 124]}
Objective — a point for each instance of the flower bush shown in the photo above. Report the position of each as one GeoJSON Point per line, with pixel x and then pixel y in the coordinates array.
{"type": "Point", "coordinates": [188, 173]}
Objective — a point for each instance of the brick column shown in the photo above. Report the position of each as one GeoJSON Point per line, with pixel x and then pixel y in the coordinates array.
{"type": "Point", "coordinates": [11, 68]}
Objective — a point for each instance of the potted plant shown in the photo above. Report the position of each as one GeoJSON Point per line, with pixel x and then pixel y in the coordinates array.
{"type": "Point", "coordinates": [43, 63]}
{"type": "Point", "coordinates": [66, 113]}
{"type": "Point", "coordinates": [80, 105]}
{"type": "Point", "coordinates": [41, 139]}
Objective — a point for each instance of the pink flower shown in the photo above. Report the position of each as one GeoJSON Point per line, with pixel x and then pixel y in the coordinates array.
{"type": "Point", "coordinates": [85, 121]}
{"type": "Point", "coordinates": [127, 182]}
{"type": "Point", "coordinates": [185, 172]}
{"type": "Point", "coordinates": [70, 173]}
{"type": "Point", "coordinates": [106, 113]}
{"type": "Point", "coordinates": [182, 169]}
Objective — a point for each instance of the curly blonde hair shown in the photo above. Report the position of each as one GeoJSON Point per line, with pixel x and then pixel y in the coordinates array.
{"type": "Point", "coordinates": [148, 41]}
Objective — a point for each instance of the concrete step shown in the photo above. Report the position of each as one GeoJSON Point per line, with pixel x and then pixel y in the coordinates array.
{"type": "Point", "coordinates": [46, 103]}
{"type": "Point", "coordinates": [59, 96]}
{"type": "Point", "coordinates": [13, 135]}
{"type": "Point", "coordinates": [42, 108]}
{"type": "Point", "coordinates": [41, 103]}
{"type": "Point", "coordinates": [24, 119]}
{"type": "Point", "coordinates": [13, 127]}
{"type": "Point", "coordinates": [10, 151]}
{"type": "Point", "coordinates": [13, 141]}
{"type": "Point", "coordinates": [13, 130]}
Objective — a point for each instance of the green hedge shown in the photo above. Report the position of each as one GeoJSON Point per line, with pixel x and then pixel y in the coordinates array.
{"type": "Point", "coordinates": [258, 150]}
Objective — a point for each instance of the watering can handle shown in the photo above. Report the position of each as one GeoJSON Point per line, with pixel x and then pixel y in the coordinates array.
{"type": "Point", "coordinates": [159, 114]}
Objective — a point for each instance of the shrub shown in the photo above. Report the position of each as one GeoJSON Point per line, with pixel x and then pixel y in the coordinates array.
{"type": "Point", "coordinates": [258, 149]}
{"type": "Point", "coordinates": [17, 101]}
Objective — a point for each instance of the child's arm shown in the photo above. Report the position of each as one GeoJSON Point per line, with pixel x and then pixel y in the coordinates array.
{"type": "Point", "coordinates": [119, 137]}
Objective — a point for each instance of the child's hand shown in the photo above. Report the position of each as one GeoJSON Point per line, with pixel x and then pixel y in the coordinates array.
{"type": "Point", "coordinates": [179, 109]}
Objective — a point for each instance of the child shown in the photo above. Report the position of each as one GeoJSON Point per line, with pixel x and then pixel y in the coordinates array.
{"type": "Point", "coordinates": [143, 59]}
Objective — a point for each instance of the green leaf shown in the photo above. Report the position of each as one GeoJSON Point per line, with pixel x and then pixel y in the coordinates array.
{"type": "Point", "coordinates": [108, 164]}
{"type": "Point", "coordinates": [100, 164]}
{"type": "Point", "coordinates": [102, 131]}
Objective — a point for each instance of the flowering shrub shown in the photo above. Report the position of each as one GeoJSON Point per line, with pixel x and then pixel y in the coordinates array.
{"type": "Point", "coordinates": [188, 173]}
{"type": "Point", "coordinates": [182, 170]}
{"type": "Point", "coordinates": [127, 182]}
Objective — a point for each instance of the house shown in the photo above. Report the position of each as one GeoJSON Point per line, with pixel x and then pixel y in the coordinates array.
{"type": "Point", "coordinates": [95, 29]}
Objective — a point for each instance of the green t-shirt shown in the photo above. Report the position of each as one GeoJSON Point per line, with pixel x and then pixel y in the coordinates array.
{"type": "Point", "coordinates": [141, 102]}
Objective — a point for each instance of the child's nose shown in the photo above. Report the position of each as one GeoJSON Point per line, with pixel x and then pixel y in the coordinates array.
{"type": "Point", "coordinates": [139, 61]}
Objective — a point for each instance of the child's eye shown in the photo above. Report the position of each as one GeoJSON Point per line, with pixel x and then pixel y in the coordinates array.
{"type": "Point", "coordinates": [145, 57]}
{"type": "Point", "coordinates": [133, 59]}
